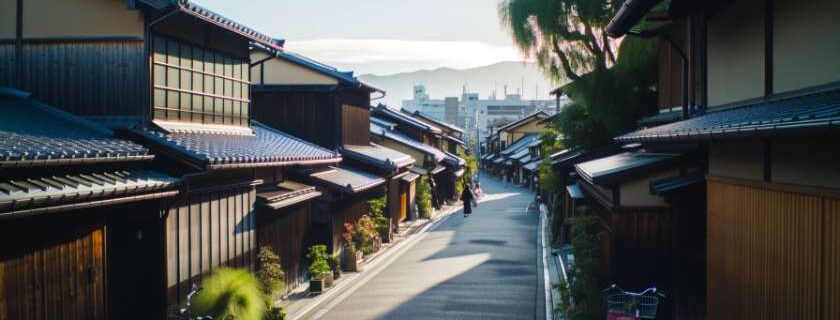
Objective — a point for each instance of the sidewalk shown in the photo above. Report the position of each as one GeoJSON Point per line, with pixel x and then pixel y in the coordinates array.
{"type": "Point", "coordinates": [300, 303]}
{"type": "Point", "coordinates": [557, 269]}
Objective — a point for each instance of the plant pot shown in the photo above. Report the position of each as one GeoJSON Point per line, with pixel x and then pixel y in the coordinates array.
{"type": "Point", "coordinates": [328, 280]}
{"type": "Point", "coordinates": [317, 285]}
{"type": "Point", "coordinates": [352, 261]}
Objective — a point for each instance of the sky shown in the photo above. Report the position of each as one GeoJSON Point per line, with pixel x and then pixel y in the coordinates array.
{"type": "Point", "coordinates": [380, 36]}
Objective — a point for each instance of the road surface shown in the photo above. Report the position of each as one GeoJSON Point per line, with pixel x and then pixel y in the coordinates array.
{"type": "Point", "coordinates": [486, 266]}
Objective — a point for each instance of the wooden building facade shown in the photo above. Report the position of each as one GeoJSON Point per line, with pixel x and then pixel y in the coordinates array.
{"type": "Point", "coordinates": [768, 109]}
{"type": "Point", "coordinates": [173, 77]}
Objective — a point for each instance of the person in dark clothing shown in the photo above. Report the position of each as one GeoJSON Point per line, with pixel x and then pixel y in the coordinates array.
{"type": "Point", "coordinates": [468, 198]}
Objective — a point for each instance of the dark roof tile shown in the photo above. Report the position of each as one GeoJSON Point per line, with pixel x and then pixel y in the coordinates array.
{"type": "Point", "coordinates": [34, 134]}
{"type": "Point", "coordinates": [817, 111]}
{"type": "Point", "coordinates": [215, 150]}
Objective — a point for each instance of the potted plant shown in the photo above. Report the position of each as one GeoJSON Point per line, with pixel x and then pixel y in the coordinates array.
{"type": "Point", "coordinates": [319, 268]}
{"type": "Point", "coordinates": [352, 256]}
{"type": "Point", "coordinates": [335, 266]}
{"type": "Point", "coordinates": [367, 234]}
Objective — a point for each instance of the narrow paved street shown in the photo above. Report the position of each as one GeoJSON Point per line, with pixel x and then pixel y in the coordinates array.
{"type": "Point", "coordinates": [482, 267]}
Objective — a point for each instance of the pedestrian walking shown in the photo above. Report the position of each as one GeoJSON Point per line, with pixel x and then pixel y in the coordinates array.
{"type": "Point", "coordinates": [468, 197]}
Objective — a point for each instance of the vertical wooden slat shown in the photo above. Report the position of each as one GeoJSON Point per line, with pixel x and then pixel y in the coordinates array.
{"type": "Point", "coordinates": [830, 269]}
{"type": "Point", "coordinates": [206, 225]}
{"type": "Point", "coordinates": [172, 256]}
{"type": "Point", "coordinates": [183, 249]}
{"type": "Point", "coordinates": [215, 230]}
{"type": "Point", "coordinates": [765, 253]}
{"type": "Point", "coordinates": [195, 240]}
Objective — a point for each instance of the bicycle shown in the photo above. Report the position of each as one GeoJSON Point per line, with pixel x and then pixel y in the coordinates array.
{"type": "Point", "coordinates": [186, 313]}
{"type": "Point", "coordinates": [626, 305]}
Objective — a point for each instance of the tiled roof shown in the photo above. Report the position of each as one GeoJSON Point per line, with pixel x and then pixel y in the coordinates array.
{"type": "Point", "coordinates": [285, 194]}
{"type": "Point", "coordinates": [519, 154]}
{"type": "Point", "coordinates": [437, 122]}
{"type": "Point", "coordinates": [533, 166]}
{"type": "Point", "coordinates": [382, 122]}
{"type": "Point", "coordinates": [403, 119]}
{"type": "Point", "coordinates": [818, 112]}
{"type": "Point", "coordinates": [409, 177]}
{"type": "Point", "coordinates": [660, 118]}
{"type": "Point", "coordinates": [265, 147]}
{"type": "Point", "coordinates": [21, 194]}
{"type": "Point", "coordinates": [378, 156]}
{"type": "Point", "coordinates": [536, 115]}
{"type": "Point", "coordinates": [622, 165]}
{"type": "Point", "coordinates": [34, 134]}
{"type": "Point", "coordinates": [456, 140]}
{"type": "Point", "coordinates": [523, 142]}
{"type": "Point", "coordinates": [223, 22]}
{"type": "Point", "coordinates": [344, 77]}
{"type": "Point", "coordinates": [407, 141]}
{"type": "Point", "coordinates": [525, 159]}
{"type": "Point", "coordinates": [453, 160]}
{"type": "Point", "coordinates": [346, 179]}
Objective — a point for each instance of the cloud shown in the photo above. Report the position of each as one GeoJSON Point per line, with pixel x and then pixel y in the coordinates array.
{"type": "Point", "coordinates": [391, 56]}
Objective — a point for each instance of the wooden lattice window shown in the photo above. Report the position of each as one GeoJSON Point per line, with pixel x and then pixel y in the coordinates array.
{"type": "Point", "coordinates": [194, 84]}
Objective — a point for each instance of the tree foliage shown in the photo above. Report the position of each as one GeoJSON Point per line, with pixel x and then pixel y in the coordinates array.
{"type": "Point", "coordinates": [230, 294]}
{"type": "Point", "coordinates": [566, 37]}
{"type": "Point", "coordinates": [424, 197]}
{"type": "Point", "coordinates": [270, 273]}
{"type": "Point", "coordinates": [584, 275]}
{"type": "Point", "coordinates": [610, 82]}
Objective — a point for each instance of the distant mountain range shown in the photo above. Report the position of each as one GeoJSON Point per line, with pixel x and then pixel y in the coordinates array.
{"type": "Point", "coordinates": [448, 82]}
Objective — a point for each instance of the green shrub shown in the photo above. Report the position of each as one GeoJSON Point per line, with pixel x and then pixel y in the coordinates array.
{"type": "Point", "coordinates": [377, 208]}
{"type": "Point", "coordinates": [423, 194]}
{"type": "Point", "coordinates": [367, 232]}
{"type": "Point", "coordinates": [230, 294]}
{"type": "Point", "coordinates": [335, 266]}
{"type": "Point", "coordinates": [584, 287]}
{"type": "Point", "coordinates": [320, 261]}
{"type": "Point", "coordinates": [270, 273]}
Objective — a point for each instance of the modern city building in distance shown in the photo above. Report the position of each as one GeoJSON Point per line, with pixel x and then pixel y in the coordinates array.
{"type": "Point", "coordinates": [477, 115]}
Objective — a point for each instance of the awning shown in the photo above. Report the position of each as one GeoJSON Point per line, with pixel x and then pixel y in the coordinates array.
{"type": "Point", "coordinates": [574, 192]}
{"type": "Point", "coordinates": [523, 142]}
{"type": "Point", "coordinates": [812, 113]}
{"type": "Point", "coordinates": [409, 177]}
{"type": "Point", "coordinates": [378, 156]}
{"type": "Point", "coordinates": [403, 119]}
{"type": "Point", "coordinates": [453, 160]}
{"type": "Point", "coordinates": [671, 184]}
{"type": "Point", "coordinates": [259, 146]}
{"type": "Point", "coordinates": [438, 169]}
{"type": "Point", "coordinates": [17, 195]}
{"type": "Point", "coordinates": [533, 166]}
{"type": "Point", "coordinates": [408, 142]}
{"type": "Point", "coordinates": [499, 160]}
{"type": "Point", "coordinates": [522, 153]}
{"type": "Point", "coordinates": [346, 179]}
{"type": "Point", "coordinates": [285, 194]}
{"type": "Point", "coordinates": [455, 140]}
{"type": "Point", "coordinates": [524, 159]}
{"type": "Point", "coordinates": [622, 165]}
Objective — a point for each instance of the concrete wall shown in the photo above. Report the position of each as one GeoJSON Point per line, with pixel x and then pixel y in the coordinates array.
{"type": "Point", "coordinates": [805, 43]}
{"type": "Point", "coordinates": [736, 53]}
{"type": "Point", "coordinates": [737, 159]}
{"type": "Point", "coordinates": [809, 162]}
{"type": "Point", "coordinates": [279, 72]}
{"type": "Point", "coordinates": [76, 18]}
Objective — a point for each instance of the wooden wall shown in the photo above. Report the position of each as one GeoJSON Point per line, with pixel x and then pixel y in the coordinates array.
{"type": "Point", "coordinates": [89, 78]}
{"type": "Point", "coordinates": [312, 116]}
{"type": "Point", "coordinates": [640, 242]}
{"type": "Point", "coordinates": [773, 251]}
{"type": "Point", "coordinates": [394, 201]}
{"type": "Point", "coordinates": [53, 269]}
{"type": "Point", "coordinates": [206, 231]}
{"type": "Point", "coordinates": [354, 122]}
{"type": "Point", "coordinates": [286, 232]}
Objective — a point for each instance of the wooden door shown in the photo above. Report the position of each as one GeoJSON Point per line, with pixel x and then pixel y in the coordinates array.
{"type": "Point", "coordinates": [52, 272]}
{"type": "Point", "coordinates": [403, 203]}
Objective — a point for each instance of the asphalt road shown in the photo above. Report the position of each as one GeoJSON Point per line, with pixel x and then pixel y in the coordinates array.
{"type": "Point", "coordinates": [482, 267]}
